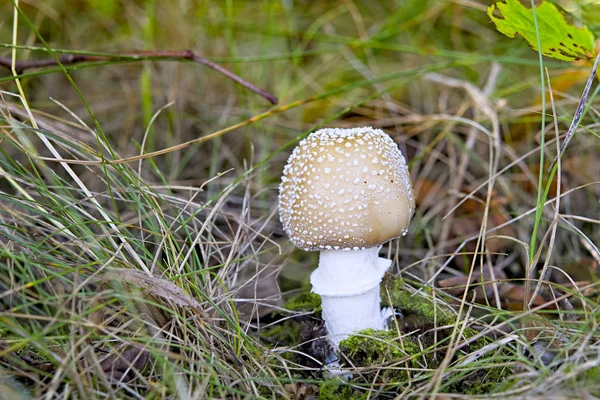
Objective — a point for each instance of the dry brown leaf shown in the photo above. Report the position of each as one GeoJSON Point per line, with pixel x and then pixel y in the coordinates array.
{"type": "Point", "coordinates": [157, 287]}
{"type": "Point", "coordinates": [117, 365]}
{"type": "Point", "coordinates": [583, 269]}
{"type": "Point", "coordinates": [482, 284]}
{"type": "Point", "coordinates": [467, 217]}
{"type": "Point", "coordinates": [428, 193]}
{"type": "Point", "coordinates": [537, 326]}
{"type": "Point", "coordinates": [511, 295]}
{"type": "Point", "coordinates": [263, 288]}
{"type": "Point", "coordinates": [514, 298]}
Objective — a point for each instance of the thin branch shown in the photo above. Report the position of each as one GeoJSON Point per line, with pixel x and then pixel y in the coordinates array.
{"type": "Point", "coordinates": [70, 59]}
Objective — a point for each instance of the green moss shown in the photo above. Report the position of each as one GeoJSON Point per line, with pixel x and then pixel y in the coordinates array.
{"type": "Point", "coordinates": [25, 348]}
{"type": "Point", "coordinates": [418, 309]}
{"type": "Point", "coordinates": [373, 348]}
{"type": "Point", "coordinates": [370, 347]}
{"type": "Point", "coordinates": [415, 345]}
{"type": "Point", "coordinates": [286, 333]}
{"type": "Point", "coordinates": [306, 301]}
{"type": "Point", "coordinates": [590, 379]}
{"type": "Point", "coordinates": [333, 389]}
{"type": "Point", "coordinates": [478, 387]}
{"type": "Point", "coordinates": [483, 381]}
{"type": "Point", "coordinates": [34, 353]}
{"type": "Point", "coordinates": [592, 375]}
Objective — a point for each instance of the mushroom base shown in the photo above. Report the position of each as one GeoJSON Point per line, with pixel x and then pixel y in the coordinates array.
{"type": "Point", "coordinates": [346, 315]}
{"type": "Point", "coordinates": [348, 283]}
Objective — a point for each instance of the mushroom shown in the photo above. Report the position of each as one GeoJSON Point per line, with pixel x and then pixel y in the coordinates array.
{"type": "Point", "coordinates": [345, 192]}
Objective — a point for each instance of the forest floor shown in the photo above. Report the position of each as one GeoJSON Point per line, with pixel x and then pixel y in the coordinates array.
{"type": "Point", "coordinates": [142, 255]}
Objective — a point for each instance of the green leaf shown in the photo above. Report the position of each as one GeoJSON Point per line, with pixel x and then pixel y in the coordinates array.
{"type": "Point", "coordinates": [559, 39]}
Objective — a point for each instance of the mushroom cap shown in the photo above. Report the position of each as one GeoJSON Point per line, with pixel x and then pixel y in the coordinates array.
{"type": "Point", "coordinates": [345, 189]}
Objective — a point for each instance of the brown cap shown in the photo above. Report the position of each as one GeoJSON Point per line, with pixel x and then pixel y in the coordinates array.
{"type": "Point", "coordinates": [345, 189]}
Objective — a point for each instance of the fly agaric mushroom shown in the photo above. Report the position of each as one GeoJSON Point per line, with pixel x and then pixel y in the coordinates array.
{"type": "Point", "coordinates": [345, 192]}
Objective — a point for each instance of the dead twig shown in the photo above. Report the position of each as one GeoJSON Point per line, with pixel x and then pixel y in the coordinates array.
{"type": "Point", "coordinates": [70, 59]}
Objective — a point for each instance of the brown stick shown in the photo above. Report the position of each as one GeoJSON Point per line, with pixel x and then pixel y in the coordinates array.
{"type": "Point", "coordinates": [69, 59]}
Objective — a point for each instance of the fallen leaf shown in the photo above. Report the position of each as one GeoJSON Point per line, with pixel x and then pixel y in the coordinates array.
{"type": "Point", "coordinates": [259, 294]}
{"type": "Point", "coordinates": [467, 217]}
{"type": "Point", "coordinates": [428, 193]}
{"type": "Point", "coordinates": [25, 356]}
{"type": "Point", "coordinates": [558, 39]}
{"type": "Point", "coordinates": [513, 298]}
{"type": "Point", "coordinates": [118, 365]}
{"type": "Point", "coordinates": [479, 282]}
{"type": "Point", "coordinates": [511, 294]}
{"type": "Point", "coordinates": [157, 287]}
{"type": "Point", "coordinates": [546, 339]}
{"type": "Point", "coordinates": [583, 269]}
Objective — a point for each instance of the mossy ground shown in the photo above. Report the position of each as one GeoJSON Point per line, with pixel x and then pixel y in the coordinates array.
{"type": "Point", "coordinates": [18, 348]}
{"type": "Point", "coordinates": [411, 350]}
{"type": "Point", "coordinates": [21, 353]}
{"type": "Point", "coordinates": [305, 301]}
{"type": "Point", "coordinates": [288, 332]}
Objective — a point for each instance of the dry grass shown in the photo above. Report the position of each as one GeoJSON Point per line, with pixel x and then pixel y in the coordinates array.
{"type": "Point", "coordinates": [166, 274]}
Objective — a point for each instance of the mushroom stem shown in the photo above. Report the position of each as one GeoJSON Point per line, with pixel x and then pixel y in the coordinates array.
{"type": "Point", "coordinates": [348, 283]}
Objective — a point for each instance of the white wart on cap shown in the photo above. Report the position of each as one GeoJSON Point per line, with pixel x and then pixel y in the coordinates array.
{"type": "Point", "coordinates": [345, 189]}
